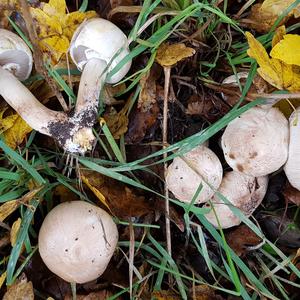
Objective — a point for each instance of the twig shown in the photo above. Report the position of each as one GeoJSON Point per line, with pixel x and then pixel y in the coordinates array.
{"type": "Point", "coordinates": [37, 53]}
{"type": "Point", "coordinates": [167, 73]}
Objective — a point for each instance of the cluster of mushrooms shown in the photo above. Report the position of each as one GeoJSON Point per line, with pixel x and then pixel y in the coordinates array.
{"type": "Point", "coordinates": [77, 239]}
{"type": "Point", "coordinates": [256, 144]}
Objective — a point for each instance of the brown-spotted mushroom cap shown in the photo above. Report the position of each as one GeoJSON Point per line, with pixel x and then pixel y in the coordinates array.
{"type": "Point", "coordinates": [256, 143]}
{"type": "Point", "coordinates": [77, 241]}
{"type": "Point", "coordinates": [242, 191]}
{"type": "Point", "coordinates": [292, 166]}
{"type": "Point", "coordinates": [198, 166]}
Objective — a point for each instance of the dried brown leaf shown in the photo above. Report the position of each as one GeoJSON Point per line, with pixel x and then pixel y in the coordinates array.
{"type": "Point", "coordinates": [122, 201]}
{"type": "Point", "coordinates": [21, 289]}
{"type": "Point", "coordinates": [204, 292]}
{"type": "Point", "coordinates": [103, 295]}
{"type": "Point", "coordinates": [144, 116]}
{"type": "Point", "coordinates": [291, 194]}
{"type": "Point", "coordinates": [168, 55]}
{"type": "Point", "coordinates": [165, 295]}
{"type": "Point", "coordinates": [241, 238]}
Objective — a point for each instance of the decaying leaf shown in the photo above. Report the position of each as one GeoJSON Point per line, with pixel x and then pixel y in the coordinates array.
{"type": "Point", "coordinates": [264, 15]}
{"type": "Point", "coordinates": [21, 289]}
{"type": "Point", "coordinates": [96, 192]}
{"type": "Point", "coordinates": [145, 114]}
{"type": "Point", "coordinates": [6, 8]}
{"type": "Point", "coordinates": [208, 107]}
{"type": "Point", "coordinates": [117, 122]}
{"type": "Point", "coordinates": [64, 193]}
{"type": "Point", "coordinates": [55, 27]}
{"type": "Point", "coordinates": [9, 207]}
{"type": "Point", "coordinates": [16, 134]}
{"type": "Point", "coordinates": [165, 295]}
{"type": "Point", "coordinates": [241, 239]}
{"type": "Point", "coordinates": [103, 295]}
{"type": "Point", "coordinates": [6, 122]}
{"type": "Point", "coordinates": [291, 194]}
{"type": "Point", "coordinates": [14, 231]}
{"type": "Point", "coordinates": [168, 55]}
{"type": "Point", "coordinates": [2, 278]}
{"type": "Point", "coordinates": [122, 201]}
{"type": "Point", "coordinates": [204, 292]}
{"type": "Point", "coordinates": [274, 70]}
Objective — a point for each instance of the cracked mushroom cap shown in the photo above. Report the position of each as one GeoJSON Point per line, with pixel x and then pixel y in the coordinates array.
{"type": "Point", "coordinates": [292, 166]}
{"type": "Point", "coordinates": [77, 241]}
{"type": "Point", "coordinates": [256, 143]}
{"type": "Point", "coordinates": [243, 191]}
{"type": "Point", "coordinates": [15, 56]}
{"type": "Point", "coordinates": [196, 167]}
{"type": "Point", "coordinates": [100, 38]}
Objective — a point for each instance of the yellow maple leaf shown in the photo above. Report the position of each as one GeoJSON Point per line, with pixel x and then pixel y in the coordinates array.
{"type": "Point", "coordinates": [16, 134]}
{"type": "Point", "coordinates": [168, 55]}
{"type": "Point", "coordinates": [55, 27]}
{"type": "Point", "coordinates": [275, 71]}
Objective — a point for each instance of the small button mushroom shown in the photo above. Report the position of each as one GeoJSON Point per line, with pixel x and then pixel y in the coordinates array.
{"type": "Point", "coordinates": [242, 191]}
{"type": "Point", "coordinates": [292, 166]}
{"type": "Point", "coordinates": [256, 143]}
{"type": "Point", "coordinates": [77, 241]}
{"type": "Point", "coordinates": [198, 166]}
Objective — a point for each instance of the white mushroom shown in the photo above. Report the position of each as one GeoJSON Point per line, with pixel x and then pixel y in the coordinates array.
{"type": "Point", "coordinates": [256, 143]}
{"type": "Point", "coordinates": [198, 166]}
{"type": "Point", "coordinates": [77, 241]}
{"type": "Point", "coordinates": [292, 166]}
{"type": "Point", "coordinates": [242, 191]}
{"type": "Point", "coordinates": [15, 65]}
{"type": "Point", "coordinates": [96, 48]}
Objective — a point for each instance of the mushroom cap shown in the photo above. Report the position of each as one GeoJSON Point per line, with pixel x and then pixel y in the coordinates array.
{"type": "Point", "coordinates": [256, 143]}
{"type": "Point", "coordinates": [292, 166]}
{"type": "Point", "coordinates": [196, 167]}
{"type": "Point", "coordinates": [15, 55]}
{"type": "Point", "coordinates": [77, 241]}
{"type": "Point", "coordinates": [243, 191]}
{"type": "Point", "coordinates": [99, 38]}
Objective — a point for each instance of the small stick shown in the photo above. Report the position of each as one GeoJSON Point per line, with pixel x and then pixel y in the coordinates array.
{"type": "Point", "coordinates": [37, 53]}
{"type": "Point", "coordinates": [167, 73]}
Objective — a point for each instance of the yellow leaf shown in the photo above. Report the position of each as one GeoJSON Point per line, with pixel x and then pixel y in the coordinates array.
{"type": "Point", "coordinates": [15, 135]}
{"type": "Point", "coordinates": [168, 55]}
{"type": "Point", "coordinates": [276, 7]}
{"type": "Point", "coordinates": [8, 208]}
{"type": "Point", "coordinates": [96, 192]}
{"type": "Point", "coordinates": [54, 7]}
{"type": "Point", "coordinates": [74, 19]}
{"type": "Point", "coordinates": [288, 49]}
{"type": "Point", "coordinates": [55, 27]}
{"type": "Point", "coordinates": [2, 279]}
{"type": "Point", "coordinates": [259, 53]}
{"type": "Point", "coordinates": [278, 36]}
{"type": "Point", "coordinates": [7, 122]}
{"type": "Point", "coordinates": [14, 231]}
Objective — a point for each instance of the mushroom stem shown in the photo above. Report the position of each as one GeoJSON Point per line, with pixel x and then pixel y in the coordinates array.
{"type": "Point", "coordinates": [26, 105]}
{"type": "Point", "coordinates": [91, 83]}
